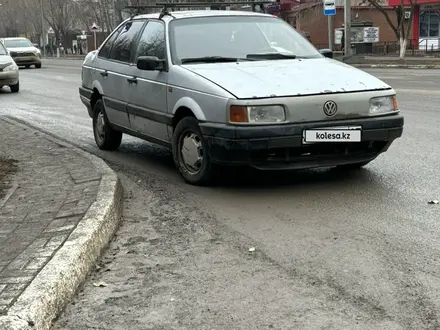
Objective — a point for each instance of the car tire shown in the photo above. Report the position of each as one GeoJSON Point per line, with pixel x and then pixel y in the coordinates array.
{"type": "Point", "coordinates": [27, 66]}
{"type": "Point", "coordinates": [354, 166]}
{"type": "Point", "coordinates": [37, 66]}
{"type": "Point", "coordinates": [15, 88]}
{"type": "Point", "coordinates": [197, 168]}
{"type": "Point", "coordinates": [106, 138]}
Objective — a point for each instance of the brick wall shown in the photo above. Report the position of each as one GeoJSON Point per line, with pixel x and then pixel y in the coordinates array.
{"type": "Point", "coordinates": [314, 22]}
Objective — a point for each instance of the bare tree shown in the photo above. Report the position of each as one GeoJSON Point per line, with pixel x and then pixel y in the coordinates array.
{"type": "Point", "coordinates": [31, 10]}
{"type": "Point", "coordinates": [62, 16]}
{"type": "Point", "coordinates": [401, 29]}
{"type": "Point", "coordinates": [12, 20]}
{"type": "Point", "coordinates": [101, 12]}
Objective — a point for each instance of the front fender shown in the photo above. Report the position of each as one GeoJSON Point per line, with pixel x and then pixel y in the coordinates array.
{"type": "Point", "coordinates": [98, 87]}
{"type": "Point", "coordinates": [192, 105]}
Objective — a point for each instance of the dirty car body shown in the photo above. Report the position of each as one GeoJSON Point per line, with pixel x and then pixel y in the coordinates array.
{"type": "Point", "coordinates": [257, 93]}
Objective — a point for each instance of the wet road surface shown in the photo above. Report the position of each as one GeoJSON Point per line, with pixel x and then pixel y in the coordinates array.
{"type": "Point", "coordinates": [334, 250]}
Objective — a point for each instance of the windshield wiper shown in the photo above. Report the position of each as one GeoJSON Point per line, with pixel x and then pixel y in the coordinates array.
{"type": "Point", "coordinates": [212, 59]}
{"type": "Point", "coordinates": [270, 56]}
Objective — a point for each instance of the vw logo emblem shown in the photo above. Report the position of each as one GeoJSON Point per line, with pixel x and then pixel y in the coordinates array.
{"type": "Point", "coordinates": [330, 108]}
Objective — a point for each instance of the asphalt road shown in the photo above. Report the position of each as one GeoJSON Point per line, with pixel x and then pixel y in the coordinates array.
{"type": "Point", "coordinates": [332, 250]}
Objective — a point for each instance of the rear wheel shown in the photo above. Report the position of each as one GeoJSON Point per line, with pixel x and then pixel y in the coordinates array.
{"type": "Point", "coordinates": [15, 88]}
{"type": "Point", "coordinates": [37, 66]}
{"type": "Point", "coordinates": [27, 66]}
{"type": "Point", "coordinates": [191, 153]}
{"type": "Point", "coordinates": [106, 138]}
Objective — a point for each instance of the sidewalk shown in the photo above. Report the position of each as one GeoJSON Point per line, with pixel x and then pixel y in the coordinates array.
{"type": "Point", "coordinates": [421, 62]}
{"type": "Point", "coordinates": [59, 212]}
{"type": "Point", "coordinates": [65, 57]}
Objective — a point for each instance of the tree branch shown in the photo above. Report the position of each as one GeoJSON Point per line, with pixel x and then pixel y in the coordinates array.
{"type": "Point", "coordinates": [382, 10]}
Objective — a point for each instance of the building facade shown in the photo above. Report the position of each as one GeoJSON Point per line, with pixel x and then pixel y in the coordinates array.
{"type": "Point", "coordinates": [307, 16]}
{"type": "Point", "coordinates": [425, 23]}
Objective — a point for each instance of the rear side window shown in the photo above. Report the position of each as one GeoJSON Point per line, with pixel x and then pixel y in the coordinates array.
{"type": "Point", "coordinates": [123, 45]}
{"type": "Point", "coordinates": [105, 50]}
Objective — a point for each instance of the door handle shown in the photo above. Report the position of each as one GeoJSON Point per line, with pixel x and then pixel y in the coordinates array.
{"type": "Point", "coordinates": [104, 74]}
{"type": "Point", "coordinates": [132, 80]}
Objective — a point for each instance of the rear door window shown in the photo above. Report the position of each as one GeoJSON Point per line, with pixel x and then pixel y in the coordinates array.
{"type": "Point", "coordinates": [106, 48]}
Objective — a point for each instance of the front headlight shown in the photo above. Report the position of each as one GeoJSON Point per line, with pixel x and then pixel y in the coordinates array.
{"type": "Point", "coordinates": [383, 104]}
{"type": "Point", "coordinates": [10, 68]}
{"type": "Point", "coordinates": [261, 114]}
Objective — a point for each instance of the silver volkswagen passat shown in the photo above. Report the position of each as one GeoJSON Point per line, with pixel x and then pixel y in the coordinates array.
{"type": "Point", "coordinates": [235, 88]}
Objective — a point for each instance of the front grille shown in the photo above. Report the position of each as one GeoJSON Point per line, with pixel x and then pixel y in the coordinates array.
{"type": "Point", "coordinates": [317, 151]}
{"type": "Point", "coordinates": [22, 54]}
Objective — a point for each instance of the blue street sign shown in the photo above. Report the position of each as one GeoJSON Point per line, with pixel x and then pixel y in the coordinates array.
{"type": "Point", "coordinates": [329, 12]}
{"type": "Point", "coordinates": [329, 7]}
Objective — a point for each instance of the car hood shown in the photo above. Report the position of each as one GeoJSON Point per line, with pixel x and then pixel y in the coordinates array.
{"type": "Point", "coordinates": [23, 49]}
{"type": "Point", "coordinates": [260, 79]}
{"type": "Point", "coordinates": [5, 59]}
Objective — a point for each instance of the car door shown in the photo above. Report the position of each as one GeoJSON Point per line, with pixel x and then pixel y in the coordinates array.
{"type": "Point", "coordinates": [147, 107]}
{"type": "Point", "coordinates": [116, 71]}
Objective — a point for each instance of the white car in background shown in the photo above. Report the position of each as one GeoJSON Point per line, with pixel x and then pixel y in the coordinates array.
{"type": "Point", "coordinates": [9, 74]}
{"type": "Point", "coordinates": [23, 51]}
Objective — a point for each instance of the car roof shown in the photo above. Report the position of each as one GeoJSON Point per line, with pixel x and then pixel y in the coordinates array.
{"type": "Point", "coordinates": [203, 13]}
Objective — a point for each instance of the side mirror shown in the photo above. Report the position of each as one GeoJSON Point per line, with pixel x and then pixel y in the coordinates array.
{"type": "Point", "coordinates": [326, 52]}
{"type": "Point", "coordinates": [36, 45]}
{"type": "Point", "coordinates": [150, 63]}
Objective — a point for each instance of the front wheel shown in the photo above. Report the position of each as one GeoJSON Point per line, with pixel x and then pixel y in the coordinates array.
{"type": "Point", "coordinates": [106, 138]}
{"type": "Point", "coordinates": [15, 88]}
{"type": "Point", "coordinates": [37, 66]}
{"type": "Point", "coordinates": [191, 153]}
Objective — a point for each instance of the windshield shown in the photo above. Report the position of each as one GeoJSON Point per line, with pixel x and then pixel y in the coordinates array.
{"type": "Point", "coordinates": [236, 37]}
{"type": "Point", "coordinates": [3, 50]}
{"type": "Point", "coordinates": [16, 43]}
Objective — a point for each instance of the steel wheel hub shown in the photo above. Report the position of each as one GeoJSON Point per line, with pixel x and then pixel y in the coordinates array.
{"type": "Point", "coordinates": [192, 152]}
{"type": "Point", "coordinates": [100, 126]}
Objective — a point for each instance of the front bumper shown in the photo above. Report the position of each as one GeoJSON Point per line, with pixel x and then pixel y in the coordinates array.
{"type": "Point", "coordinates": [27, 60]}
{"type": "Point", "coordinates": [9, 78]}
{"type": "Point", "coordinates": [282, 147]}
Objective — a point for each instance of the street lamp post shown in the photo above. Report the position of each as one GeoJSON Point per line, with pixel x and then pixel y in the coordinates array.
{"type": "Point", "coordinates": [42, 28]}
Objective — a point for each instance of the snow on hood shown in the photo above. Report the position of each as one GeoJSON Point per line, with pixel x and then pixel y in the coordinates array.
{"type": "Point", "coordinates": [275, 78]}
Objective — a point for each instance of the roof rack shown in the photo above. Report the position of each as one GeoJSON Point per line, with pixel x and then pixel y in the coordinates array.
{"type": "Point", "coordinates": [212, 5]}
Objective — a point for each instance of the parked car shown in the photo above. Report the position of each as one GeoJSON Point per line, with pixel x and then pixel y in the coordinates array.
{"type": "Point", "coordinates": [215, 88]}
{"type": "Point", "coordinates": [9, 75]}
{"type": "Point", "coordinates": [23, 51]}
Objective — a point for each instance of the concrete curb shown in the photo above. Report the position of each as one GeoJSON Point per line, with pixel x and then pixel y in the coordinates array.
{"type": "Point", "coordinates": [55, 286]}
{"type": "Point", "coordinates": [79, 58]}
